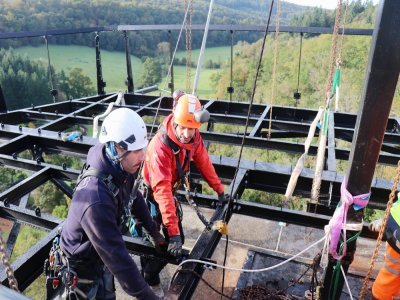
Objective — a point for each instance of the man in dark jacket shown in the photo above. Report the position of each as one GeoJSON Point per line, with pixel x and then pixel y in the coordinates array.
{"type": "Point", "coordinates": [91, 237]}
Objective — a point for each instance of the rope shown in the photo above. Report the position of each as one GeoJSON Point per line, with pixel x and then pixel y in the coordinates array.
{"type": "Point", "coordinates": [199, 276]}
{"type": "Point", "coordinates": [230, 203]}
{"type": "Point", "coordinates": [276, 44]}
{"type": "Point", "coordinates": [381, 231]}
{"type": "Point", "coordinates": [161, 97]}
{"type": "Point", "coordinates": [347, 283]}
{"type": "Point", "coordinates": [206, 263]}
{"type": "Point", "coordinates": [5, 259]}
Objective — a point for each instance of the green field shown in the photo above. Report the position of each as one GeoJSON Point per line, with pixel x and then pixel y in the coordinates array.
{"type": "Point", "coordinates": [114, 65]}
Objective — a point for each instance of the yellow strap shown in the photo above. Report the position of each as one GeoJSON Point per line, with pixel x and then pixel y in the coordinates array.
{"type": "Point", "coordinates": [221, 227]}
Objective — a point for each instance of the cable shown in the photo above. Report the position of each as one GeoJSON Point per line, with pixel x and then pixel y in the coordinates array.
{"type": "Point", "coordinates": [251, 270]}
{"type": "Point", "coordinates": [199, 276]}
{"type": "Point", "coordinates": [223, 270]}
{"type": "Point", "coordinates": [230, 203]}
{"type": "Point", "coordinates": [347, 284]}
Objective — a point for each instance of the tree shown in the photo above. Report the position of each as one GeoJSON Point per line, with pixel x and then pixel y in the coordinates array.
{"type": "Point", "coordinates": [77, 85]}
{"type": "Point", "coordinates": [152, 73]}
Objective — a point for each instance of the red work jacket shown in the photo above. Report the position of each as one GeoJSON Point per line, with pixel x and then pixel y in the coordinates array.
{"type": "Point", "coordinates": [161, 174]}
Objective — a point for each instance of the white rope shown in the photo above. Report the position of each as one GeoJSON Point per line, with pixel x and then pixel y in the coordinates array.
{"type": "Point", "coordinates": [203, 45]}
{"type": "Point", "coordinates": [251, 270]}
{"type": "Point", "coordinates": [345, 280]}
{"type": "Point", "coordinates": [325, 250]}
{"type": "Point", "coordinates": [260, 248]}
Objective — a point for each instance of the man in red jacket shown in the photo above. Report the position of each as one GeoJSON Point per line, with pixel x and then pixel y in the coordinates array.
{"type": "Point", "coordinates": [167, 162]}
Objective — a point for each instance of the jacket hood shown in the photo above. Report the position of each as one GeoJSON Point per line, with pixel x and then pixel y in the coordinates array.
{"type": "Point", "coordinates": [103, 164]}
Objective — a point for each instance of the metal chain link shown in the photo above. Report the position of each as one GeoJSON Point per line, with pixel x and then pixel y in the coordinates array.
{"type": "Point", "coordinates": [392, 196]}
{"type": "Point", "coordinates": [334, 47]}
{"type": "Point", "coordinates": [342, 35]}
{"type": "Point", "coordinates": [276, 44]}
{"type": "Point", "coordinates": [12, 281]}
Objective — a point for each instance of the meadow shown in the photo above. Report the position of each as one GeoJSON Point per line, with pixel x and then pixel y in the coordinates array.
{"type": "Point", "coordinates": [114, 65]}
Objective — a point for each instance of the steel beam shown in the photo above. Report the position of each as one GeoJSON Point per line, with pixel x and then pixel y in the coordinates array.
{"type": "Point", "coordinates": [380, 85]}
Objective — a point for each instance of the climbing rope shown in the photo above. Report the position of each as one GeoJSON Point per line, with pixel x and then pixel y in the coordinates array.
{"type": "Point", "coordinates": [230, 202]}
{"type": "Point", "coordinates": [381, 231]}
{"type": "Point", "coordinates": [276, 44]}
{"type": "Point", "coordinates": [188, 31]}
{"type": "Point", "coordinates": [210, 264]}
{"type": "Point", "coordinates": [12, 281]}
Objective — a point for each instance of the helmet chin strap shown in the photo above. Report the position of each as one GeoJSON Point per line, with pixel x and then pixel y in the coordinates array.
{"type": "Point", "coordinates": [112, 154]}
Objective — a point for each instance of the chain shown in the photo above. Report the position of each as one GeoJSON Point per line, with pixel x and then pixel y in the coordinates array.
{"type": "Point", "coordinates": [342, 35]}
{"type": "Point", "coordinates": [278, 13]}
{"type": "Point", "coordinates": [12, 281]}
{"type": "Point", "coordinates": [381, 231]}
{"type": "Point", "coordinates": [334, 47]}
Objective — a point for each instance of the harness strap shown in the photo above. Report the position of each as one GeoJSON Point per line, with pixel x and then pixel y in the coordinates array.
{"type": "Point", "coordinates": [175, 150]}
{"type": "Point", "coordinates": [88, 171]}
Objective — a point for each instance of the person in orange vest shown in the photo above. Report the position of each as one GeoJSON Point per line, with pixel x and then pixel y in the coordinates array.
{"type": "Point", "coordinates": [387, 283]}
{"type": "Point", "coordinates": [167, 164]}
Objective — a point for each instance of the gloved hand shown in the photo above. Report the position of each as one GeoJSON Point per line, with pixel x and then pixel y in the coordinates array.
{"type": "Point", "coordinates": [223, 199]}
{"type": "Point", "coordinates": [376, 225]}
{"type": "Point", "coordinates": [158, 241]}
{"type": "Point", "coordinates": [175, 246]}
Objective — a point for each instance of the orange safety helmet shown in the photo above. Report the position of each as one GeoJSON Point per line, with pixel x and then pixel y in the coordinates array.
{"type": "Point", "coordinates": [189, 113]}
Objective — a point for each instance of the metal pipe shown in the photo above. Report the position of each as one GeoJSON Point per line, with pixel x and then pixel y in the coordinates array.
{"type": "Point", "coordinates": [129, 79]}
{"type": "Point", "coordinates": [203, 46]}
{"type": "Point", "coordinates": [120, 98]}
{"type": "Point", "coordinates": [100, 82]}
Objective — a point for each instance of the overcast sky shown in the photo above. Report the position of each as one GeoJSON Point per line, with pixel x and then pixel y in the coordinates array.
{"type": "Point", "coordinates": [320, 3]}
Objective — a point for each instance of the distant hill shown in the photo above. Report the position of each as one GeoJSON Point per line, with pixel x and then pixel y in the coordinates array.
{"type": "Point", "coordinates": [34, 15]}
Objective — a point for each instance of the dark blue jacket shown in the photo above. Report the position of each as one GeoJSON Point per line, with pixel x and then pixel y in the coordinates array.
{"type": "Point", "coordinates": [91, 232]}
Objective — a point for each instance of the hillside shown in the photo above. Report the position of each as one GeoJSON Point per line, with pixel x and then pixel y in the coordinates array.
{"type": "Point", "coordinates": [32, 15]}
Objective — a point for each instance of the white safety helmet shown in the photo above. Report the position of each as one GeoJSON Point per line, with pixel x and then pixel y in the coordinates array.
{"type": "Point", "coordinates": [126, 128]}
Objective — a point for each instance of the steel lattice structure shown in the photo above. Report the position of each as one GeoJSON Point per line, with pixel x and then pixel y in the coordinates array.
{"type": "Point", "coordinates": [289, 127]}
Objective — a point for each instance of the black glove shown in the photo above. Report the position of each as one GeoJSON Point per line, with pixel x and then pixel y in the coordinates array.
{"type": "Point", "coordinates": [223, 199]}
{"type": "Point", "coordinates": [175, 246]}
{"type": "Point", "coordinates": [158, 241]}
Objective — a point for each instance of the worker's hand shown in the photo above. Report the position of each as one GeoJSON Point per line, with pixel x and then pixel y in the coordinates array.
{"type": "Point", "coordinates": [375, 225]}
{"type": "Point", "coordinates": [175, 246]}
{"type": "Point", "coordinates": [158, 241]}
{"type": "Point", "coordinates": [223, 199]}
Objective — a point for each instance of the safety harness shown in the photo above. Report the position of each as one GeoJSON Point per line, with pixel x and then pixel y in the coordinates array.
{"type": "Point", "coordinates": [183, 177]}
{"type": "Point", "coordinates": [58, 268]}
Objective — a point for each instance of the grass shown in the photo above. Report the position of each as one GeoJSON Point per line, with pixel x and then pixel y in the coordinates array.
{"type": "Point", "coordinates": [114, 65]}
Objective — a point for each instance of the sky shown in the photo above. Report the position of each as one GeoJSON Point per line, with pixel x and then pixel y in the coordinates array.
{"type": "Point", "coordinates": [331, 4]}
